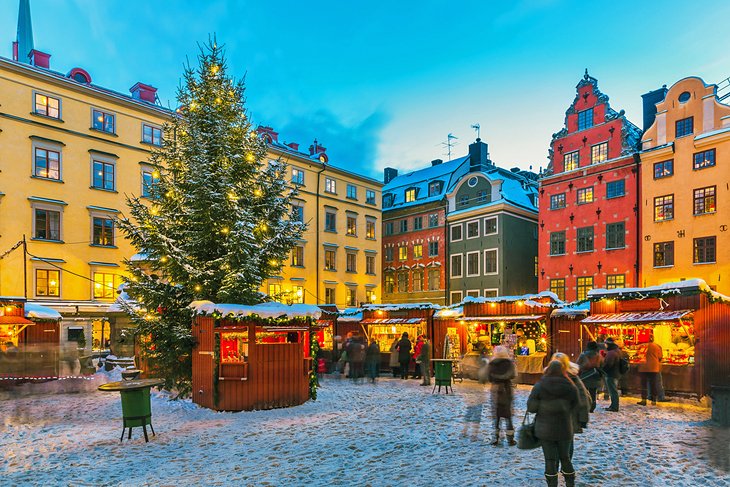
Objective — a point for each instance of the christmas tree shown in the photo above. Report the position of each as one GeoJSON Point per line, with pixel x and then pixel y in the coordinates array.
{"type": "Point", "coordinates": [216, 221]}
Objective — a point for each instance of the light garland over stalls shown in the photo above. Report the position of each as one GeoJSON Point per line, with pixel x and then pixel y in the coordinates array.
{"type": "Point", "coordinates": [690, 287]}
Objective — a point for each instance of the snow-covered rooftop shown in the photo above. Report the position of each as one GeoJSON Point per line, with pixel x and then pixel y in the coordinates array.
{"type": "Point", "coordinates": [350, 314]}
{"type": "Point", "coordinates": [668, 288]}
{"type": "Point", "coordinates": [263, 310]}
{"type": "Point", "coordinates": [401, 306]}
{"type": "Point", "coordinates": [581, 309]}
{"type": "Point", "coordinates": [447, 172]}
{"type": "Point", "coordinates": [528, 299]}
{"type": "Point", "coordinates": [39, 312]}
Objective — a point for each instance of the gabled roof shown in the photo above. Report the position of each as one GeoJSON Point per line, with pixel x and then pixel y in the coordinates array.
{"type": "Point", "coordinates": [448, 172]}
{"type": "Point", "coordinates": [515, 189]}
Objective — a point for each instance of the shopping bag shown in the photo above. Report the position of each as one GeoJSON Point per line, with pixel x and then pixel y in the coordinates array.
{"type": "Point", "coordinates": [526, 439]}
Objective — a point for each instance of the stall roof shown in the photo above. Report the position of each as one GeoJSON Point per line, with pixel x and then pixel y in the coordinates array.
{"type": "Point", "coordinates": [350, 315]}
{"type": "Point", "coordinates": [391, 321]}
{"type": "Point", "coordinates": [529, 299]}
{"type": "Point", "coordinates": [401, 306]}
{"type": "Point", "coordinates": [637, 317]}
{"type": "Point", "coordinates": [573, 310]}
{"type": "Point", "coordinates": [455, 313]}
{"type": "Point", "coordinates": [33, 310]}
{"type": "Point", "coordinates": [506, 318]}
{"type": "Point", "coordinates": [689, 286]}
{"type": "Point", "coordinates": [263, 310]}
{"type": "Point", "coordinates": [14, 320]}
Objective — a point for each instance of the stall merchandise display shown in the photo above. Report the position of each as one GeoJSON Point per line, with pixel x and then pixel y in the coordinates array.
{"type": "Point", "coordinates": [676, 339]}
{"type": "Point", "coordinates": [384, 335]}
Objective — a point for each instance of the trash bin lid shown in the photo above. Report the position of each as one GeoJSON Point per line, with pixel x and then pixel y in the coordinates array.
{"type": "Point", "coordinates": [130, 385]}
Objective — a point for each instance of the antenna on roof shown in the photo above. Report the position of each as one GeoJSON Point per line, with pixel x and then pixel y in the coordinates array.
{"type": "Point", "coordinates": [477, 127]}
{"type": "Point", "coordinates": [449, 144]}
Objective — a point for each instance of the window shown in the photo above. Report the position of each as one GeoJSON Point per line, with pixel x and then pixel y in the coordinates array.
{"type": "Point", "coordinates": [297, 256]}
{"type": "Point", "coordinates": [47, 164]}
{"type": "Point", "coordinates": [472, 293]}
{"type": "Point", "coordinates": [584, 285]}
{"type": "Point", "coordinates": [599, 153]}
{"type": "Point", "coordinates": [297, 213]}
{"type": "Point", "coordinates": [616, 235]}
{"type": "Point", "coordinates": [103, 231]}
{"type": "Point", "coordinates": [472, 229]}
{"type": "Point", "coordinates": [369, 196]}
{"type": "Point", "coordinates": [464, 200]}
{"type": "Point", "coordinates": [403, 253]}
{"type": "Point", "coordinates": [557, 243]}
{"type": "Point", "coordinates": [417, 281]}
{"type": "Point", "coordinates": [149, 178]}
{"type": "Point", "coordinates": [387, 200]}
{"type": "Point", "coordinates": [456, 297]}
{"type": "Point", "coordinates": [557, 286]}
{"type": "Point", "coordinates": [410, 195]}
{"type": "Point", "coordinates": [704, 200]}
{"type": "Point", "coordinates": [403, 226]}
{"type": "Point", "coordinates": [330, 186]}
{"type": "Point", "coordinates": [351, 262]}
{"type": "Point", "coordinates": [490, 261]}
{"type": "Point", "coordinates": [472, 264]}
{"type": "Point", "coordinates": [389, 254]}
{"type": "Point", "coordinates": [105, 285]}
{"type": "Point", "coordinates": [389, 283]}
{"type": "Point", "coordinates": [151, 134]}
{"type": "Point", "coordinates": [664, 208]}
{"type": "Point", "coordinates": [433, 220]}
{"type": "Point", "coordinates": [274, 290]}
{"type": "Point", "coordinates": [297, 176]}
{"type": "Point", "coordinates": [585, 119]}
{"type": "Point", "coordinates": [457, 266]}
{"type": "Point", "coordinates": [73, 333]}
{"type": "Point", "coordinates": [103, 175]}
{"type": "Point", "coordinates": [434, 188]}
{"type": "Point", "coordinates": [351, 296]}
{"type": "Point", "coordinates": [329, 295]}
{"type": "Point", "coordinates": [418, 223]}
{"type": "Point", "coordinates": [102, 121]}
{"type": "Point", "coordinates": [369, 296]}
{"type": "Point", "coordinates": [557, 201]}
{"type": "Point", "coordinates": [585, 195]}
{"type": "Point", "coordinates": [433, 249]}
{"type": "Point", "coordinates": [370, 228]}
{"type": "Point", "coordinates": [402, 282]}
{"type": "Point", "coordinates": [329, 260]}
{"type": "Point", "coordinates": [330, 221]}
{"type": "Point", "coordinates": [615, 281]}
{"type": "Point", "coordinates": [389, 228]}
{"type": "Point", "coordinates": [456, 233]}
{"type": "Point", "coordinates": [352, 192]}
{"type": "Point", "coordinates": [47, 283]}
{"type": "Point", "coordinates": [663, 254]}
{"type": "Point", "coordinates": [585, 239]}
{"type": "Point", "coordinates": [47, 106]}
{"type": "Point", "coordinates": [663, 169]}
{"type": "Point", "coordinates": [684, 126]}
{"type": "Point", "coordinates": [370, 264]}
{"type": "Point", "coordinates": [297, 294]}
{"type": "Point", "coordinates": [571, 161]}
{"type": "Point", "coordinates": [490, 226]}
{"type": "Point", "coordinates": [615, 189]}
{"type": "Point", "coordinates": [482, 197]}
{"type": "Point", "coordinates": [351, 225]}
{"type": "Point", "coordinates": [434, 279]}
{"type": "Point", "coordinates": [418, 251]}
{"type": "Point", "coordinates": [704, 159]}
{"type": "Point", "coordinates": [47, 224]}
{"type": "Point", "coordinates": [704, 250]}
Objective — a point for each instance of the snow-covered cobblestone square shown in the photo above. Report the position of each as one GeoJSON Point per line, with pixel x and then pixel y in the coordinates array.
{"type": "Point", "coordinates": [391, 433]}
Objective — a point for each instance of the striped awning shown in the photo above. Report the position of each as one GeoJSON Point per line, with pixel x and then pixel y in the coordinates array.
{"type": "Point", "coordinates": [637, 317]}
{"type": "Point", "coordinates": [392, 321]}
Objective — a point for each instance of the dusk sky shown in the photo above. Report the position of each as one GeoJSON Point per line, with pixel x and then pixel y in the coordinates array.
{"type": "Point", "coordinates": [383, 83]}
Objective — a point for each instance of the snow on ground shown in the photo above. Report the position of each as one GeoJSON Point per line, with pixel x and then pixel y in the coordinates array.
{"type": "Point", "coordinates": [391, 433]}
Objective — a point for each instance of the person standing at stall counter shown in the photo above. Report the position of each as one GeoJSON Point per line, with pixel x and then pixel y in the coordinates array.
{"type": "Point", "coordinates": [612, 369]}
{"type": "Point", "coordinates": [649, 371]}
{"type": "Point", "coordinates": [404, 354]}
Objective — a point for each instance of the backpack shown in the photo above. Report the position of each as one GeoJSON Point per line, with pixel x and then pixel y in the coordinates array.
{"type": "Point", "coordinates": [623, 365]}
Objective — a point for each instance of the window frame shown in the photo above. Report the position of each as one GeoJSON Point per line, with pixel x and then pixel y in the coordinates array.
{"type": "Point", "coordinates": [683, 121]}
{"type": "Point", "coordinates": [414, 281]}
{"type": "Point", "coordinates": [615, 285]}
{"type": "Point", "coordinates": [389, 283]}
{"type": "Point", "coordinates": [297, 176]}
{"type": "Point", "coordinates": [351, 193]}
{"type": "Point", "coordinates": [487, 272]}
{"type": "Point", "coordinates": [496, 226]}
{"type": "Point", "coordinates": [34, 111]}
{"type": "Point", "coordinates": [153, 128]}
{"type": "Point", "coordinates": [103, 218]}
{"type": "Point", "coordinates": [705, 250]}
{"type": "Point", "coordinates": [602, 150]}
{"type": "Point", "coordinates": [417, 223]}
{"type": "Point", "coordinates": [370, 228]}
{"type": "Point", "coordinates": [330, 216]}
{"type": "Point", "coordinates": [431, 218]}
{"type": "Point", "coordinates": [557, 242]}
{"type": "Point", "coordinates": [573, 158]}
{"type": "Point", "coordinates": [584, 193]}
{"type": "Point", "coordinates": [402, 253]}
{"type": "Point", "coordinates": [621, 183]}
{"type": "Point", "coordinates": [700, 167]}
{"type": "Point", "coordinates": [351, 262]}
{"type": "Point", "coordinates": [585, 119]}
{"type": "Point", "coordinates": [613, 234]}
{"type": "Point", "coordinates": [104, 161]}
{"type": "Point", "coordinates": [350, 224]}
{"type": "Point", "coordinates": [477, 234]}
{"type": "Point", "coordinates": [47, 148]}
{"type": "Point", "coordinates": [330, 264]}
{"type": "Point", "coordinates": [330, 185]}
{"type": "Point", "coordinates": [47, 208]}
{"type": "Point", "coordinates": [410, 195]}
{"type": "Point", "coordinates": [582, 239]}
{"type": "Point", "coordinates": [459, 299]}
{"type": "Point", "coordinates": [452, 268]}
{"type": "Point", "coordinates": [667, 249]}
{"type": "Point", "coordinates": [429, 286]}
{"type": "Point", "coordinates": [105, 113]}
{"type": "Point", "coordinates": [431, 244]}
{"type": "Point", "coordinates": [104, 286]}
{"type": "Point", "coordinates": [452, 227]}
{"type": "Point", "coordinates": [703, 199]}
{"type": "Point", "coordinates": [581, 290]}
{"type": "Point", "coordinates": [417, 251]}
{"type": "Point", "coordinates": [370, 197]}
{"type": "Point", "coordinates": [297, 256]}
{"type": "Point", "coordinates": [478, 268]}
{"type": "Point", "coordinates": [664, 202]}
{"type": "Point", "coordinates": [560, 289]}
{"type": "Point", "coordinates": [556, 199]}
{"type": "Point", "coordinates": [48, 279]}
{"type": "Point", "coordinates": [663, 166]}
{"type": "Point", "coordinates": [370, 265]}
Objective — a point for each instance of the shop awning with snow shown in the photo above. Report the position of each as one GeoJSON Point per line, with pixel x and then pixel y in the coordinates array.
{"type": "Point", "coordinates": [391, 321]}
{"type": "Point", "coordinates": [638, 317]}
{"type": "Point", "coordinates": [506, 318]}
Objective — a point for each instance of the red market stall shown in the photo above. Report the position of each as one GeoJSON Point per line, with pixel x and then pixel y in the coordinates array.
{"type": "Point", "coordinates": [254, 357]}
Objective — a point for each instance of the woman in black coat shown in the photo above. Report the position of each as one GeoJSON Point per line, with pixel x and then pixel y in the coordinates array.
{"type": "Point", "coordinates": [554, 399]}
{"type": "Point", "coordinates": [590, 363]}
{"type": "Point", "coordinates": [404, 354]}
{"type": "Point", "coordinates": [500, 371]}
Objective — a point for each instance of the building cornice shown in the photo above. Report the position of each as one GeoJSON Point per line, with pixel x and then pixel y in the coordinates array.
{"type": "Point", "coordinates": [303, 159]}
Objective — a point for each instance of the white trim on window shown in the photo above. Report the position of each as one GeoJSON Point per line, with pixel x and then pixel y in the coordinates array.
{"type": "Point", "coordinates": [47, 146]}
{"type": "Point", "coordinates": [479, 268]}
{"type": "Point", "coordinates": [474, 293]}
{"type": "Point", "coordinates": [489, 290]}
{"type": "Point", "coordinates": [496, 232]}
{"type": "Point", "coordinates": [456, 297]}
{"type": "Point", "coordinates": [451, 266]}
{"type": "Point", "coordinates": [478, 234]}
{"type": "Point", "coordinates": [496, 250]}
{"type": "Point", "coordinates": [451, 232]}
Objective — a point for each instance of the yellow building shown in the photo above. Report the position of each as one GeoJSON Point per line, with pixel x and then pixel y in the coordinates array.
{"type": "Point", "coordinates": [69, 153]}
{"type": "Point", "coordinates": [337, 260]}
{"type": "Point", "coordinates": [685, 172]}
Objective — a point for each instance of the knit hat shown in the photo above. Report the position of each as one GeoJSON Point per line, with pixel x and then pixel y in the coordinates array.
{"type": "Point", "coordinates": [592, 345]}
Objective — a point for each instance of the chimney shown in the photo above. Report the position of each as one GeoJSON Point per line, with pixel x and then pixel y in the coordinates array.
{"type": "Point", "coordinates": [649, 101]}
{"type": "Point", "coordinates": [40, 59]}
{"type": "Point", "coordinates": [267, 133]}
{"type": "Point", "coordinates": [478, 156]}
{"type": "Point", "coordinates": [141, 91]}
{"type": "Point", "coordinates": [389, 174]}
{"type": "Point", "coordinates": [293, 146]}
{"type": "Point", "coordinates": [436, 162]}
{"type": "Point", "coordinates": [316, 148]}
{"type": "Point", "coordinates": [23, 45]}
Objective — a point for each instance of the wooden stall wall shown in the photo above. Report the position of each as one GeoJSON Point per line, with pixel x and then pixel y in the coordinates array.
{"type": "Point", "coordinates": [712, 331]}
{"type": "Point", "coordinates": [203, 357]}
{"type": "Point", "coordinates": [41, 332]}
{"type": "Point", "coordinates": [506, 308]}
{"type": "Point", "coordinates": [440, 325]}
{"type": "Point", "coordinates": [567, 335]}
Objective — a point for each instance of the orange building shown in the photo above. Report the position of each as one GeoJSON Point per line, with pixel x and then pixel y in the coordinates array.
{"type": "Point", "coordinates": [685, 184]}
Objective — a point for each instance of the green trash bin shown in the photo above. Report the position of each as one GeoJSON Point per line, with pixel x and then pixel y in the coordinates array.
{"type": "Point", "coordinates": [136, 406]}
{"type": "Point", "coordinates": [443, 373]}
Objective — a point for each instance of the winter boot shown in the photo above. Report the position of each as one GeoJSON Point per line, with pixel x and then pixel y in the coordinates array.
{"type": "Point", "coordinates": [495, 441]}
{"type": "Point", "coordinates": [552, 480]}
{"type": "Point", "coordinates": [511, 438]}
{"type": "Point", "coordinates": [569, 479]}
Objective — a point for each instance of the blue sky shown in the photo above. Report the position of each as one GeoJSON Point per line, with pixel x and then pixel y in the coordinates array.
{"type": "Point", "coordinates": [383, 83]}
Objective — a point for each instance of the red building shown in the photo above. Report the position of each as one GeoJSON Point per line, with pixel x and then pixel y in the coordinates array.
{"type": "Point", "coordinates": [588, 221]}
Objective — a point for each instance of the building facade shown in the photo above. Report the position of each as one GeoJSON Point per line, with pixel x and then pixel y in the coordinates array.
{"type": "Point", "coordinates": [338, 259]}
{"type": "Point", "coordinates": [414, 232]}
{"type": "Point", "coordinates": [685, 158]}
{"type": "Point", "coordinates": [589, 213]}
{"type": "Point", "coordinates": [492, 230]}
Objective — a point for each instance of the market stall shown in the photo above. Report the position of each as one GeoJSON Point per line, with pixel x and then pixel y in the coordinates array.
{"type": "Point", "coordinates": [687, 319]}
{"type": "Point", "coordinates": [254, 357]}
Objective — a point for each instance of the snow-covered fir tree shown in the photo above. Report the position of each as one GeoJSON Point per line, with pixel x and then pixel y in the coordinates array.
{"type": "Point", "coordinates": [217, 219]}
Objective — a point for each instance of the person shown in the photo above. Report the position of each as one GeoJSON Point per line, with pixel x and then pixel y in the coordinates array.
{"type": "Point", "coordinates": [623, 383]}
{"type": "Point", "coordinates": [500, 373]}
{"type": "Point", "coordinates": [416, 357]}
{"type": "Point", "coordinates": [404, 354]}
{"type": "Point", "coordinates": [582, 411]}
{"type": "Point", "coordinates": [601, 341]}
{"type": "Point", "coordinates": [356, 355]}
{"type": "Point", "coordinates": [612, 373]}
{"type": "Point", "coordinates": [337, 349]}
{"type": "Point", "coordinates": [394, 365]}
{"type": "Point", "coordinates": [425, 358]}
{"type": "Point", "coordinates": [649, 369]}
{"type": "Point", "coordinates": [589, 363]}
{"type": "Point", "coordinates": [372, 360]}
{"type": "Point", "coordinates": [554, 399]}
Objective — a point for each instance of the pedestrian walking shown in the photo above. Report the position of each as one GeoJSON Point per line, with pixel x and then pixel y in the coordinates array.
{"type": "Point", "coordinates": [393, 362]}
{"type": "Point", "coordinates": [372, 360]}
{"type": "Point", "coordinates": [612, 373]}
{"type": "Point", "coordinates": [416, 357]}
{"type": "Point", "coordinates": [356, 355]}
{"type": "Point", "coordinates": [500, 373]}
{"type": "Point", "coordinates": [583, 409]}
{"type": "Point", "coordinates": [590, 362]}
{"type": "Point", "coordinates": [649, 370]}
{"type": "Point", "coordinates": [424, 358]}
{"type": "Point", "coordinates": [554, 399]}
{"type": "Point", "coordinates": [404, 354]}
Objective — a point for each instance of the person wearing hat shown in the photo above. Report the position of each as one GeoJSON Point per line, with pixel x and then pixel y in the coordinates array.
{"type": "Point", "coordinates": [649, 371]}
{"type": "Point", "coordinates": [590, 362]}
{"type": "Point", "coordinates": [500, 372]}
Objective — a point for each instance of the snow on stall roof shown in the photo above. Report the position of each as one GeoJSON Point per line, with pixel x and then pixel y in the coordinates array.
{"type": "Point", "coordinates": [677, 287]}
{"type": "Point", "coordinates": [457, 312]}
{"type": "Point", "coordinates": [581, 309]}
{"type": "Point", "coordinates": [39, 312]}
{"type": "Point", "coordinates": [401, 306]}
{"type": "Point", "coordinates": [350, 314]}
{"type": "Point", "coordinates": [264, 310]}
{"type": "Point", "coordinates": [529, 299]}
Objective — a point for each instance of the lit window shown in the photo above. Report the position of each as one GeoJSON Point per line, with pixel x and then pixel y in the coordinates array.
{"type": "Point", "coordinates": [151, 134]}
{"type": "Point", "coordinates": [389, 283]}
{"type": "Point", "coordinates": [275, 290]}
{"type": "Point", "coordinates": [297, 256]}
{"type": "Point", "coordinates": [351, 296]}
{"type": "Point", "coordinates": [103, 232]}
{"type": "Point", "coordinates": [102, 121]}
{"type": "Point", "coordinates": [47, 106]}
{"type": "Point", "coordinates": [599, 153]}
{"type": "Point", "coordinates": [584, 285]}
{"type": "Point", "coordinates": [330, 186]}
{"type": "Point", "coordinates": [557, 286]}
{"type": "Point", "coordinates": [47, 282]}
{"type": "Point", "coordinates": [329, 295]}
{"type": "Point", "coordinates": [571, 161]}
{"type": "Point", "coordinates": [105, 285]}
{"type": "Point", "coordinates": [410, 195]}
{"type": "Point", "coordinates": [351, 225]}
{"type": "Point", "coordinates": [370, 229]}
{"type": "Point", "coordinates": [664, 208]}
{"type": "Point", "coordinates": [557, 201]}
{"type": "Point", "coordinates": [704, 200]}
{"type": "Point", "coordinates": [103, 175]}
{"type": "Point", "coordinates": [403, 253]}
{"type": "Point", "coordinates": [329, 260]}
{"type": "Point", "coordinates": [615, 281]}
{"type": "Point", "coordinates": [585, 195]}
{"type": "Point", "coordinates": [47, 164]}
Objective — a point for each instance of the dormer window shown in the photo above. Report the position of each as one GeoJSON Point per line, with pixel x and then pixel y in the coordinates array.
{"type": "Point", "coordinates": [411, 195]}
{"type": "Point", "coordinates": [387, 200]}
{"type": "Point", "coordinates": [434, 188]}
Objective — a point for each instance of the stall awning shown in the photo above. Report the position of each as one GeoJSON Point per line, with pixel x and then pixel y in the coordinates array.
{"type": "Point", "coordinates": [15, 320]}
{"type": "Point", "coordinates": [638, 317]}
{"type": "Point", "coordinates": [392, 321]}
{"type": "Point", "coordinates": [505, 318]}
